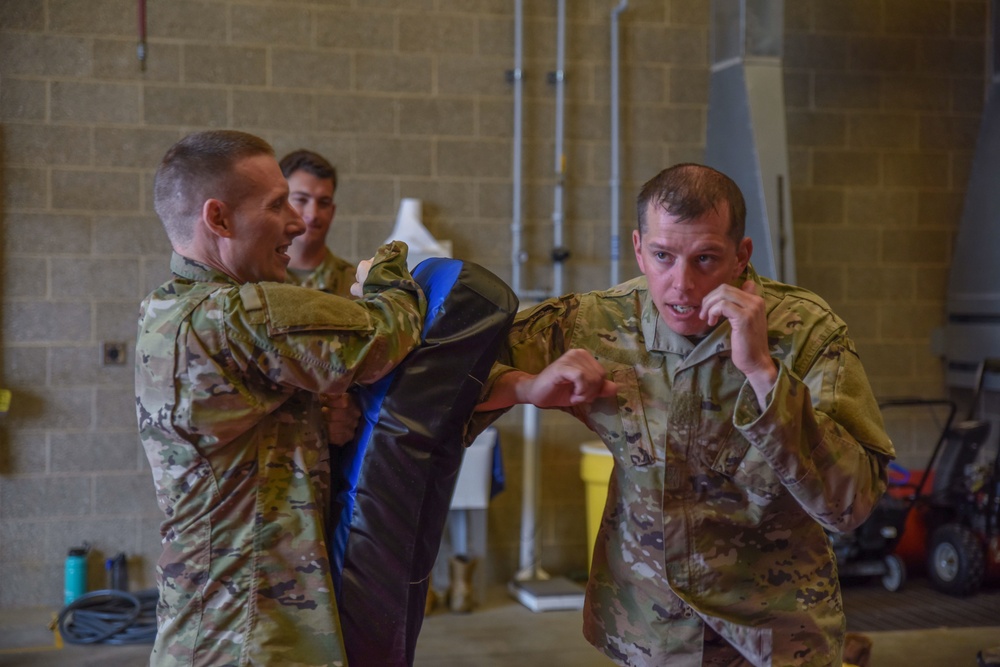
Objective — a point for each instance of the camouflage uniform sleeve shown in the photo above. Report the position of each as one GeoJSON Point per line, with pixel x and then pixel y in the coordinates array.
{"type": "Point", "coordinates": [823, 435]}
{"type": "Point", "coordinates": [538, 336]}
{"type": "Point", "coordinates": [322, 343]}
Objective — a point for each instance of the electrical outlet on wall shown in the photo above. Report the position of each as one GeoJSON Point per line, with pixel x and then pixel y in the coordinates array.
{"type": "Point", "coordinates": [114, 353]}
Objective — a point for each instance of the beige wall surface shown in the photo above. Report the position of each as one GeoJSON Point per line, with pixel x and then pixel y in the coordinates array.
{"type": "Point", "coordinates": [410, 99]}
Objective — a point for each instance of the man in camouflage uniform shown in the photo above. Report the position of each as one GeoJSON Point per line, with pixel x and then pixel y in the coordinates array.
{"type": "Point", "coordinates": [743, 426]}
{"type": "Point", "coordinates": [228, 369]}
{"type": "Point", "coordinates": [312, 181]}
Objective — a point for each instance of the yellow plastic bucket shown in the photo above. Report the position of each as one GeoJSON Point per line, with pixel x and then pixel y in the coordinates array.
{"type": "Point", "coordinates": [595, 471]}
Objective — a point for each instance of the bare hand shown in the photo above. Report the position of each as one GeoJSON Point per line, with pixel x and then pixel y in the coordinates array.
{"type": "Point", "coordinates": [358, 288]}
{"type": "Point", "coordinates": [574, 378]}
{"type": "Point", "coordinates": [342, 414]}
{"type": "Point", "coordinates": [747, 315]}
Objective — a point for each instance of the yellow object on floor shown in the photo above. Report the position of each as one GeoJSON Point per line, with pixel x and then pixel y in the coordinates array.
{"type": "Point", "coordinates": [595, 470]}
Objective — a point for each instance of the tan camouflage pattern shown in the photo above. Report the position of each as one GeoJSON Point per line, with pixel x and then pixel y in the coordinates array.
{"type": "Point", "coordinates": [333, 276]}
{"type": "Point", "coordinates": [226, 384]}
{"type": "Point", "coordinates": [716, 509]}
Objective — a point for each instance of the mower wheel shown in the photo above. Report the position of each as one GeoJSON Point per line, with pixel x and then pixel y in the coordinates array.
{"type": "Point", "coordinates": [895, 573]}
{"type": "Point", "coordinates": [956, 562]}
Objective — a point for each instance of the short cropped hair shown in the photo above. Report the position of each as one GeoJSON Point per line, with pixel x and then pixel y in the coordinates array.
{"type": "Point", "coordinates": [309, 162]}
{"type": "Point", "coordinates": [197, 168]}
{"type": "Point", "coordinates": [688, 191]}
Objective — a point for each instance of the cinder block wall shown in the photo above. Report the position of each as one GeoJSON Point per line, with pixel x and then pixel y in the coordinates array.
{"type": "Point", "coordinates": [409, 99]}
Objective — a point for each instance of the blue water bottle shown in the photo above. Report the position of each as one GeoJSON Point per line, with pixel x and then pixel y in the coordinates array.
{"type": "Point", "coordinates": [76, 573]}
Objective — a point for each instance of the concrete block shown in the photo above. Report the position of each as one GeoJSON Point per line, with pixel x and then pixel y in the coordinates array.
{"type": "Point", "coordinates": [812, 51]}
{"type": "Point", "coordinates": [848, 91]}
{"type": "Point", "coordinates": [495, 119]}
{"type": "Point", "coordinates": [45, 233]}
{"type": "Point", "coordinates": [496, 36]}
{"type": "Point", "coordinates": [356, 114]}
{"type": "Point", "coordinates": [270, 26]}
{"type": "Point", "coordinates": [494, 200]}
{"type": "Point", "coordinates": [32, 54]}
{"type": "Point", "coordinates": [25, 277]}
{"type": "Point", "coordinates": [130, 235]}
{"type": "Point", "coordinates": [131, 493]}
{"type": "Point", "coordinates": [36, 497]}
{"type": "Point", "coordinates": [370, 233]}
{"type": "Point", "coordinates": [39, 145]}
{"type": "Point", "coordinates": [155, 272]}
{"type": "Point", "coordinates": [902, 321]}
{"type": "Point", "coordinates": [969, 19]}
{"type": "Point", "coordinates": [474, 158]}
{"type": "Point", "coordinates": [822, 279]}
{"type": "Point", "coordinates": [223, 64]}
{"type": "Point", "coordinates": [876, 53]}
{"type": "Point", "coordinates": [846, 168]}
{"type": "Point", "coordinates": [97, 452]}
{"type": "Point", "coordinates": [437, 116]}
{"type": "Point", "coordinates": [40, 322]}
{"type": "Point", "coordinates": [95, 102]}
{"type": "Point", "coordinates": [451, 201]}
{"type": "Point", "coordinates": [944, 56]}
{"type": "Point", "coordinates": [918, 170]}
{"type": "Point", "coordinates": [300, 68]}
{"type": "Point", "coordinates": [356, 29]}
{"type": "Point", "coordinates": [81, 365]}
{"type": "Point", "coordinates": [131, 147]}
{"type": "Point", "coordinates": [25, 188]}
{"type": "Point", "coordinates": [393, 73]}
{"type": "Point", "coordinates": [880, 207]}
{"type": "Point", "coordinates": [22, 99]}
{"type": "Point", "coordinates": [177, 105]}
{"type": "Point", "coordinates": [369, 197]}
{"type": "Point", "coordinates": [851, 245]}
{"type": "Point", "coordinates": [437, 33]}
{"type": "Point", "coordinates": [458, 75]}
{"type": "Point", "coordinates": [399, 157]}
{"type": "Point", "coordinates": [869, 131]}
{"type": "Point", "coordinates": [918, 17]}
{"type": "Point", "coordinates": [688, 85]}
{"type": "Point", "coordinates": [491, 7]}
{"type": "Point", "coordinates": [95, 190]}
{"type": "Point", "coordinates": [116, 320]}
{"type": "Point", "coordinates": [916, 246]}
{"type": "Point", "coordinates": [940, 208]}
{"type": "Point", "coordinates": [188, 19]}
{"type": "Point", "coordinates": [966, 95]}
{"type": "Point", "coordinates": [24, 452]}
{"type": "Point", "coordinates": [114, 17]}
{"type": "Point", "coordinates": [943, 133]}
{"type": "Point", "coordinates": [117, 59]}
{"type": "Point", "coordinates": [815, 206]}
{"type": "Point", "coordinates": [116, 405]}
{"type": "Point", "coordinates": [22, 15]}
{"type": "Point", "coordinates": [916, 93]}
{"type": "Point", "coordinates": [883, 284]}
{"type": "Point", "coordinates": [22, 541]}
{"type": "Point", "coordinates": [816, 128]}
{"type": "Point", "coordinates": [850, 16]}
{"type": "Point", "coordinates": [25, 366]}
{"type": "Point", "coordinates": [273, 109]}
{"type": "Point", "coordinates": [932, 283]}
{"type": "Point", "coordinates": [669, 125]}
{"type": "Point", "coordinates": [32, 583]}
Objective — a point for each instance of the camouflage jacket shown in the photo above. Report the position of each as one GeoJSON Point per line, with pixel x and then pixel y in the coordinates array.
{"type": "Point", "coordinates": [226, 383]}
{"type": "Point", "coordinates": [333, 276]}
{"type": "Point", "coordinates": [716, 509]}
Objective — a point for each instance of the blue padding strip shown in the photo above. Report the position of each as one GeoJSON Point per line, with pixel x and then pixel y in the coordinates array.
{"type": "Point", "coordinates": [437, 277]}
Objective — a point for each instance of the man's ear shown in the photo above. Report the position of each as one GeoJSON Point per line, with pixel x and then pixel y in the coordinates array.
{"type": "Point", "coordinates": [215, 216]}
{"type": "Point", "coordinates": [743, 252]}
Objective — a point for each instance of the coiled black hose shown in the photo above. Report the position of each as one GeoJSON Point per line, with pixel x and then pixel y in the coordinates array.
{"type": "Point", "coordinates": [110, 617]}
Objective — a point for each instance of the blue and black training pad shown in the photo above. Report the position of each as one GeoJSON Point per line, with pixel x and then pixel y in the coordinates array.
{"type": "Point", "coordinates": [400, 473]}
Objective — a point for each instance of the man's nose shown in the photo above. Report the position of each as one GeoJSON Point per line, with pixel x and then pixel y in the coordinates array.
{"type": "Point", "coordinates": [297, 225]}
{"type": "Point", "coordinates": [681, 276]}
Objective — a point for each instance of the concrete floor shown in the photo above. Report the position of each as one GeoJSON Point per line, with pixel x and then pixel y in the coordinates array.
{"type": "Point", "coordinates": [501, 632]}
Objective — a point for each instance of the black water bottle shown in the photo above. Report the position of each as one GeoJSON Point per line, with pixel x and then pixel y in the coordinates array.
{"type": "Point", "coordinates": [117, 568]}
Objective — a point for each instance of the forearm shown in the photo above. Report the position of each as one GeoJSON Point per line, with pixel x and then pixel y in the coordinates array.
{"type": "Point", "coordinates": [835, 475]}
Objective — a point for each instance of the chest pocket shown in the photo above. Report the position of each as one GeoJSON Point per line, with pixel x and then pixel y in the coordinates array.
{"type": "Point", "coordinates": [634, 439]}
{"type": "Point", "coordinates": [746, 468]}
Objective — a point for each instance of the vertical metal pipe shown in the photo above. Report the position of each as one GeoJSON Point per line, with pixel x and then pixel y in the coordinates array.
{"type": "Point", "coordinates": [615, 180]}
{"type": "Point", "coordinates": [560, 166]}
{"type": "Point", "coordinates": [516, 257]}
{"type": "Point", "coordinates": [529, 559]}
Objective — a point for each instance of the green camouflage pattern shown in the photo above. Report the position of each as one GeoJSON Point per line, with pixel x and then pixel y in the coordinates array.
{"type": "Point", "coordinates": [227, 378]}
{"type": "Point", "coordinates": [716, 509]}
{"type": "Point", "coordinates": [333, 276]}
